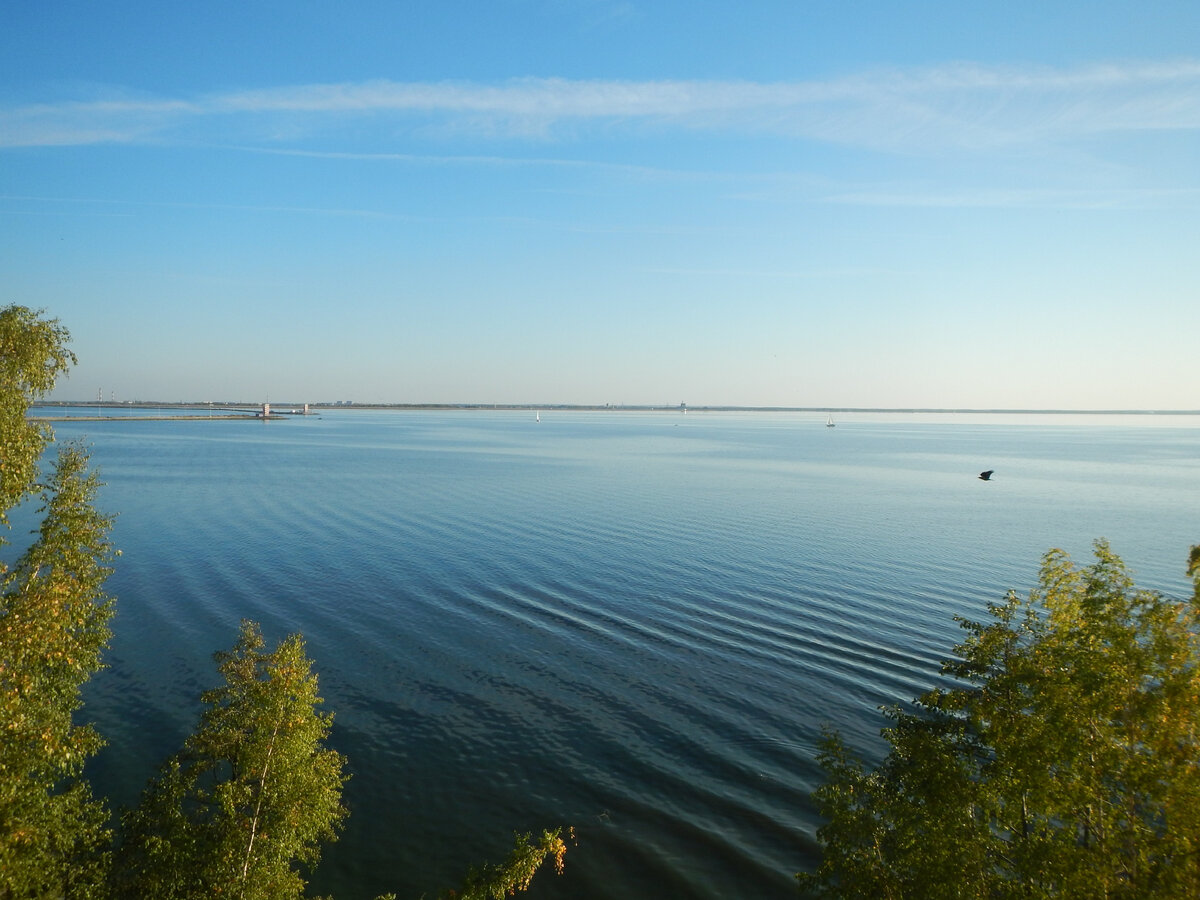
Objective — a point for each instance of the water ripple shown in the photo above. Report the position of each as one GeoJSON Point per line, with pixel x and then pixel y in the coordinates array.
{"type": "Point", "coordinates": [633, 624]}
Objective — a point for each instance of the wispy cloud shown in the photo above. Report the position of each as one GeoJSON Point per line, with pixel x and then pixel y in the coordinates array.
{"type": "Point", "coordinates": [12, 204]}
{"type": "Point", "coordinates": [1013, 198]}
{"type": "Point", "coordinates": [960, 106]}
{"type": "Point", "coordinates": [426, 159]}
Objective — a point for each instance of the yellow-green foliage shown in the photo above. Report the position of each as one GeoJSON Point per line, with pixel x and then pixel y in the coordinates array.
{"type": "Point", "coordinates": [33, 353]}
{"type": "Point", "coordinates": [516, 873]}
{"type": "Point", "coordinates": [1068, 765]}
{"type": "Point", "coordinates": [53, 626]}
{"type": "Point", "coordinates": [252, 794]}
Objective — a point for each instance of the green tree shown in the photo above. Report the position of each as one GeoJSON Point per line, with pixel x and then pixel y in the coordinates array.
{"type": "Point", "coordinates": [53, 626]}
{"type": "Point", "coordinates": [253, 792]}
{"type": "Point", "coordinates": [33, 353]}
{"type": "Point", "coordinates": [1066, 765]}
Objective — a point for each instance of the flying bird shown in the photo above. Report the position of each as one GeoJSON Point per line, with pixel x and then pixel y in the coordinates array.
{"type": "Point", "coordinates": [986, 476]}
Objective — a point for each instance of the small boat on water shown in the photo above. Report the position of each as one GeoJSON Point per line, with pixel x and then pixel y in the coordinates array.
{"type": "Point", "coordinates": [829, 424]}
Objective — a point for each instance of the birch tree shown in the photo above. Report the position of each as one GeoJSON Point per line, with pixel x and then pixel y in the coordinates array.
{"type": "Point", "coordinates": [53, 626]}
{"type": "Point", "coordinates": [244, 807]}
{"type": "Point", "coordinates": [1067, 764]}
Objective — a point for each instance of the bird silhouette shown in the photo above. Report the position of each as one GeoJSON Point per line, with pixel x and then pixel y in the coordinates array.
{"type": "Point", "coordinates": [986, 476]}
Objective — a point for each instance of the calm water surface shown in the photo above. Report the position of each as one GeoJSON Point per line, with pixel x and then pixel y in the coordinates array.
{"type": "Point", "coordinates": [635, 623]}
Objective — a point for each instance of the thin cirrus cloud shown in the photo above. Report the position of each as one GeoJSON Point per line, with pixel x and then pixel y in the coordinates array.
{"type": "Point", "coordinates": [962, 106]}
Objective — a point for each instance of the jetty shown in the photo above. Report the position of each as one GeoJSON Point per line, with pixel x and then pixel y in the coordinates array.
{"type": "Point", "coordinates": [196, 413]}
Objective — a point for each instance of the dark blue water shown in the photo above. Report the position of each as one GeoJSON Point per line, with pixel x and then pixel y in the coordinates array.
{"type": "Point", "coordinates": [631, 623]}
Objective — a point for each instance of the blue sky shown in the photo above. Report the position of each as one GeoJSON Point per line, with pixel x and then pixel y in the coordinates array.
{"type": "Point", "coordinates": [578, 201]}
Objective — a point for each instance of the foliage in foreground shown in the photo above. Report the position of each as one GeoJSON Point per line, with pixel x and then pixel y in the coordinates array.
{"type": "Point", "coordinates": [253, 790]}
{"type": "Point", "coordinates": [1068, 765]}
{"type": "Point", "coordinates": [495, 882]}
{"type": "Point", "coordinates": [53, 626]}
{"type": "Point", "coordinates": [243, 808]}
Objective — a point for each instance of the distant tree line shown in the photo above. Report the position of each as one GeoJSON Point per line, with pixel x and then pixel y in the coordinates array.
{"type": "Point", "coordinates": [243, 808]}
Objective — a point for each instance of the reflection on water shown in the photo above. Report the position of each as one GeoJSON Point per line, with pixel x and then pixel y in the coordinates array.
{"type": "Point", "coordinates": [632, 623]}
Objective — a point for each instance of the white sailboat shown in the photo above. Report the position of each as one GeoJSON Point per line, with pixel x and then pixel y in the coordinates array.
{"type": "Point", "coordinates": [829, 424]}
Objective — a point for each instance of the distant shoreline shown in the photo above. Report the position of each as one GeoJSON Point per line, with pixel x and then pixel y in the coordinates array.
{"type": "Point", "coordinates": [197, 418]}
{"type": "Point", "coordinates": [252, 410]}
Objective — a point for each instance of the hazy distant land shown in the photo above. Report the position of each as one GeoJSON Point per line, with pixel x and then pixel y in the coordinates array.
{"type": "Point", "coordinates": [245, 409]}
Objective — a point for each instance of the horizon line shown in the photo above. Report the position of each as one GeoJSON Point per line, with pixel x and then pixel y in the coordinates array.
{"type": "Point", "coordinates": [656, 407]}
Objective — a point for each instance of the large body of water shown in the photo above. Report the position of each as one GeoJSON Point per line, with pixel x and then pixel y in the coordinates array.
{"type": "Point", "coordinates": [633, 623]}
